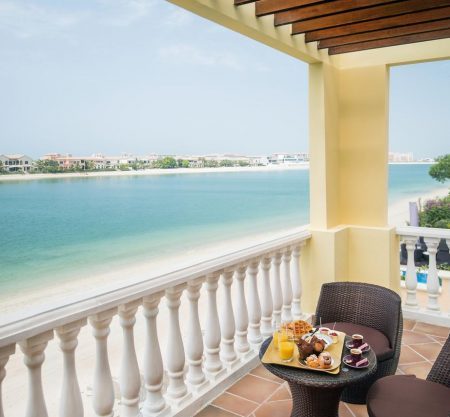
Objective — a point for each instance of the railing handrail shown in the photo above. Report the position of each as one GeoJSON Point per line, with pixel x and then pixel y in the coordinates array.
{"type": "Point", "coordinates": [54, 317]}
{"type": "Point", "coordinates": [423, 232]}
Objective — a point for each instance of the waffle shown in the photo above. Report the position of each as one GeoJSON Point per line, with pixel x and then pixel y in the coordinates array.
{"type": "Point", "coordinates": [299, 328]}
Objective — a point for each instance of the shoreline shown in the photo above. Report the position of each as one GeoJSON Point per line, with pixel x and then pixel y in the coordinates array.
{"type": "Point", "coordinates": [150, 172]}
{"type": "Point", "coordinates": [170, 171]}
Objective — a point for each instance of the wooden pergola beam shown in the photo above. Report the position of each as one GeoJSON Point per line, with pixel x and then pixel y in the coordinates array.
{"type": "Point", "coordinates": [378, 24]}
{"type": "Point", "coordinates": [382, 43]}
{"type": "Point", "coordinates": [265, 7]}
{"type": "Point", "coordinates": [324, 9]}
{"type": "Point", "coordinates": [385, 33]}
{"type": "Point", "coordinates": [367, 14]}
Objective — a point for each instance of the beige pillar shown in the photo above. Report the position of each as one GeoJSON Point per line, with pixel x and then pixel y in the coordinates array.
{"type": "Point", "coordinates": [349, 180]}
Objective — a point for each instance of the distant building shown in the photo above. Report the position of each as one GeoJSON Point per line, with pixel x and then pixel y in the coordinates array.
{"type": "Point", "coordinates": [401, 157]}
{"type": "Point", "coordinates": [288, 159]}
{"type": "Point", "coordinates": [17, 163]}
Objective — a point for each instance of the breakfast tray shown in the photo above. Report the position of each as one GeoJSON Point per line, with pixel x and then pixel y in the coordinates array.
{"type": "Point", "coordinates": [335, 350]}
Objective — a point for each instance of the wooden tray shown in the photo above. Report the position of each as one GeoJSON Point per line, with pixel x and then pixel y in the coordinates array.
{"type": "Point", "coordinates": [335, 350]}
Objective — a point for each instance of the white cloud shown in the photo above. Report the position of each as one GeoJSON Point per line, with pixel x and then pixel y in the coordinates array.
{"type": "Point", "coordinates": [192, 55]}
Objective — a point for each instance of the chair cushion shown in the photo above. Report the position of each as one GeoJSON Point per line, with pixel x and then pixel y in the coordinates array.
{"type": "Point", "coordinates": [377, 340]}
{"type": "Point", "coordinates": [407, 396]}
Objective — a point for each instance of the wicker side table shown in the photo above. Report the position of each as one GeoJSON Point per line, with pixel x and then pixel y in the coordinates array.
{"type": "Point", "coordinates": [317, 394]}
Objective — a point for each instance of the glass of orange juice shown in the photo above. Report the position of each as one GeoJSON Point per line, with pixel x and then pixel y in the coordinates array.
{"type": "Point", "coordinates": [286, 350]}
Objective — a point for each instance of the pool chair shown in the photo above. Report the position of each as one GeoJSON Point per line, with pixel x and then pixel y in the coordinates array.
{"type": "Point", "coordinates": [408, 396]}
{"type": "Point", "coordinates": [370, 310]}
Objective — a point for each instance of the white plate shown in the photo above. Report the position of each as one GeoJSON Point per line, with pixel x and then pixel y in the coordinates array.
{"type": "Point", "coordinates": [334, 365]}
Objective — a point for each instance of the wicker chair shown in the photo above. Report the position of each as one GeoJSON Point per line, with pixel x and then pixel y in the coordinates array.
{"type": "Point", "coordinates": [406, 395]}
{"type": "Point", "coordinates": [369, 310]}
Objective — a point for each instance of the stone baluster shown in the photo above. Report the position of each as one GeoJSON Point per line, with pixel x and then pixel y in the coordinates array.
{"type": "Point", "coordinates": [155, 404]}
{"type": "Point", "coordinates": [254, 306]}
{"type": "Point", "coordinates": [71, 403]}
{"type": "Point", "coordinates": [130, 378]}
{"type": "Point", "coordinates": [286, 314]}
{"type": "Point", "coordinates": [296, 282]}
{"type": "Point", "coordinates": [266, 298]}
{"type": "Point", "coordinates": [276, 290]}
{"type": "Point", "coordinates": [103, 389]}
{"type": "Point", "coordinates": [5, 353]}
{"type": "Point", "coordinates": [241, 314]}
{"type": "Point", "coordinates": [194, 345]}
{"type": "Point", "coordinates": [411, 276]}
{"type": "Point", "coordinates": [34, 356]}
{"type": "Point", "coordinates": [432, 279]}
{"type": "Point", "coordinates": [177, 392]}
{"type": "Point", "coordinates": [227, 323]}
{"type": "Point", "coordinates": [213, 365]}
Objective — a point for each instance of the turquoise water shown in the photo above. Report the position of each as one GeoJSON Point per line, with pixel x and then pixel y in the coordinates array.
{"type": "Point", "coordinates": [58, 229]}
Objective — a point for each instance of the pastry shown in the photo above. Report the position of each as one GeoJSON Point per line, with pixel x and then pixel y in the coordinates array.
{"type": "Point", "coordinates": [325, 360]}
{"type": "Point", "coordinates": [312, 361]}
{"type": "Point", "coordinates": [304, 349]}
{"type": "Point", "coordinates": [318, 345]}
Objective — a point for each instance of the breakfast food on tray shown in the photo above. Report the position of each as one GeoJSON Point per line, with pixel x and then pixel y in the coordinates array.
{"type": "Point", "coordinates": [304, 349]}
{"type": "Point", "coordinates": [318, 344]}
{"type": "Point", "coordinates": [323, 361]}
{"type": "Point", "coordinates": [299, 328]}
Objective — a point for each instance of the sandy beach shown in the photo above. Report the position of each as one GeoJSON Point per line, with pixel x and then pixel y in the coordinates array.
{"type": "Point", "coordinates": [149, 172]}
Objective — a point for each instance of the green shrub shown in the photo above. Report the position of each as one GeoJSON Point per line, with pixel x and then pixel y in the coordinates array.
{"type": "Point", "coordinates": [436, 213]}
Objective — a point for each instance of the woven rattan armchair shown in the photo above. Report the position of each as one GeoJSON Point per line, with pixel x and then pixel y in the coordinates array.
{"type": "Point", "coordinates": [408, 396]}
{"type": "Point", "coordinates": [368, 309]}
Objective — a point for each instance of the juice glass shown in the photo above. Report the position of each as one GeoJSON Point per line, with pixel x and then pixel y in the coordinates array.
{"type": "Point", "coordinates": [286, 350]}
{"type": "Point", "coordinates": [282, 336]}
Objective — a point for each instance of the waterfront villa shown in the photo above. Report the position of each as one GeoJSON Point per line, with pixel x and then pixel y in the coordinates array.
{"type": "Point", "coordinates": [213, 355]}
{"type": "Point", "coordinates": [16, 163]}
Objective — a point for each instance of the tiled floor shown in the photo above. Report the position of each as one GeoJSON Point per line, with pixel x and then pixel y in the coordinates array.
{"type": "Point", "coordinates": [261, 394]}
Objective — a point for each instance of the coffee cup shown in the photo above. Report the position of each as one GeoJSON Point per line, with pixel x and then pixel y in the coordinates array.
{"type": "Point", "coordinates": [357, 340]}
{"type": "Point", "coordinates": [356, 355]}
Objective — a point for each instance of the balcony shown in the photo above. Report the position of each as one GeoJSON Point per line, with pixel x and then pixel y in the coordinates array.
{"type": "Point", "coordinates": [170, 345]}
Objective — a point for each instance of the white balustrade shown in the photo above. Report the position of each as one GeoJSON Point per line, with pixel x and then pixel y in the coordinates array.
{"type": "Point", "coordinates": [241, 314]}
{"type": "Point", "coordinates": [213, 365]}
{"type": "Point", "coordinates": [276, 289]}
{"type": "Point", "coordinates": [5, 353]}
{"type": "Point", "coordinates": [248, 311]}
{"type": "Point", "coordinates": [296, 283]}
{"type": "Point", "coordinates": [286, 314]}
{"type": "Point", "coordinates": [254, 306]}
{"type": "Point", "coordinates": [177, 392]}
{"type": "Point", "coordinates": [103, 388]}
{"type": "Point", "coordinates": [227, 323]}
{"type": "Point", "coordinates": [432, 279]}
{"type": "Point", "coordinates": [130, 378]}
{"type": "Point", "coordinates": [34, 356]}
{"type": "Point", "coordinates": [266, 298]}
{"type": "Point", "coordinates": [155, 404]}
{"type": "Point", "coordinates": [71, 403]}
{"type": "Point", "coordinates": [411, 276]}
{"type": "Point", "coordinates": [194, 345]}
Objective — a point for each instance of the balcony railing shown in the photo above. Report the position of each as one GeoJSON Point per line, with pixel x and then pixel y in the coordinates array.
{"type": "Point", "coordinates": [259, 287]}
{"type": "Point", "coordinates": [426, 301]}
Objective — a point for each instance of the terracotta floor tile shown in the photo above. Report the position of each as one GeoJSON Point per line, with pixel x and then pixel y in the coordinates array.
{"type": "Point", "coordinates": [429, 350]}
{"type": "Point", "coordinates": [431, 329]}
{"type": "Point", "coordinates": [212, 411]}
{"type": "Point", "coordinates": [235, 404]}
{"type": "Point", "coordinates": [408, 324]}
{"type": "Point", "coordinates": [275, 409]}
{"type": "Point", "coordinates": [254, 388]}
{"type": "Point", "coordinates": [359, 410]}
{"type": "Point", "coordinates": [410, 337]}
{"type": "Point", "coordinates": [408, 355]}
{"type": "Point", "coordinates": [441, 340]}
{"type": "Point", "coordinates": [264, 373]}
{"type": "Point", "coordinates": [420, 370]}
{"type": "Point", "coordinates": [282, 393]}
{"type": "Point", "coordinates": [344, 411]}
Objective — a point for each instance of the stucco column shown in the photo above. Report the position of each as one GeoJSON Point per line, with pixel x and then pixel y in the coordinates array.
{"type": "Point", "coordinates": [348, 123]}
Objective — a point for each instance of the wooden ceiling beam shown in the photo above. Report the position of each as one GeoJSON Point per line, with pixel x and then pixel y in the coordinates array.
{"type": "Point", "coordinates": [367, 14]}
{"type": "Point", "coordinates": [385, 33]}
{"type": "Point", "coordinates": [265, 7]}
{"type": "Point", "coordinates": [378, 24]}
{"type": "Point", "coordinates": [320, 10]}
{"type": "Point", "coordinates": [382, 43]}
{"type": "Point", "coordinates": [241, 2]}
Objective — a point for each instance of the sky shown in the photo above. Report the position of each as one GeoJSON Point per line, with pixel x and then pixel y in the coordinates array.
{"type": "Point", "coordinates": [144, 76]}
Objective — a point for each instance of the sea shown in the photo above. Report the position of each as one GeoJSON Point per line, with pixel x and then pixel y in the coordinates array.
{"type": "Point", "coordinates": [55, 230]}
